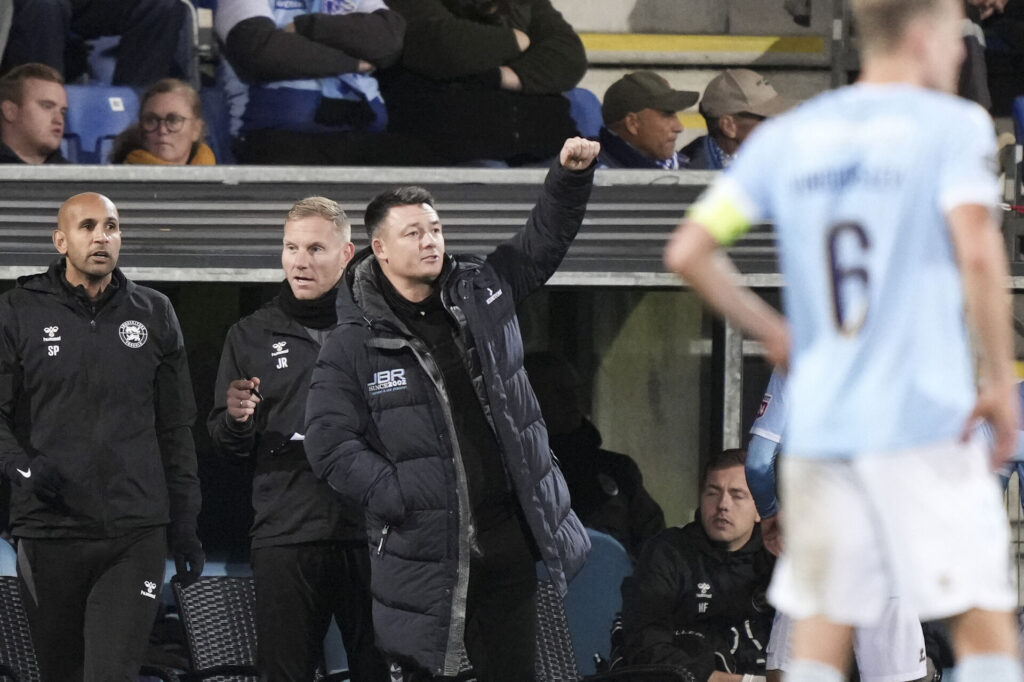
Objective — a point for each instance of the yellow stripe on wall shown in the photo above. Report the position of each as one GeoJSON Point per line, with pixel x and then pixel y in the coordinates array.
{"type": "Point", "coordinates": [695, 122]}
{"type": "Point", "coordinates": [650, 42]}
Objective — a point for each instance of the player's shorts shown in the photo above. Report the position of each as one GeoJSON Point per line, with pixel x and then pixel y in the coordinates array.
{"type": "Point", "coordinates": [890, 651]}
{"type": "Point", "coordinates": [925, 523]}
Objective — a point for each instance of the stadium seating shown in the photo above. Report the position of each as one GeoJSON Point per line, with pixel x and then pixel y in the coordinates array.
{"type": "Point", "coordinates": [96, 115]}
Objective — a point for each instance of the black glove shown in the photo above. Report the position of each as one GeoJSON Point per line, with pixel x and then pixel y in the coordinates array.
{"type": "Point", "coordinates": [40, 477]}
{"type": "Point", "coordinates": [189, 557]}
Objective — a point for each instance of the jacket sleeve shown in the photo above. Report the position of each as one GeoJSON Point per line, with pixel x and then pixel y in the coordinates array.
{"type": "Point", "coordinates": [229, 436]}
{"type": "Point", "coordinates": [527, 260]}
{"type": "Point", "coordinates": [555, 61]}
{"type": "Point", "coordinates": [259, 51]}
{"type": "Point", "coordinates": [337, 442]}
{"type": "Point", "coordinates": [375, 37]}
{"type": "Point", "coordinates": [440, 45]}
{"type": "Point", "coordinates": [175, 408]}
{"type": "Point", "coordinates": [649, 599]}
{"type": "Point", "coordinates": [11, 453]}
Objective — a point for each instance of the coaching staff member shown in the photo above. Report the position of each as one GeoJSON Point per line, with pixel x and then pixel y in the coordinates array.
{"type": "Point", "coordinates": [421, 412]}
{"type": "Point", "coordinates": [309, 554]}
{"type": "Point", "coordinates": [97, 407]}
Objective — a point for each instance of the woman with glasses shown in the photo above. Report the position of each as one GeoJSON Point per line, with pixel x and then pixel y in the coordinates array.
{"type": "Point", "coordinates": [169, 130]}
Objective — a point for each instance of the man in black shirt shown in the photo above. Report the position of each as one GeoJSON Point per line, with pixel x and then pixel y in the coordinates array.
{"type": "Point", "coordinates": [32, 109]}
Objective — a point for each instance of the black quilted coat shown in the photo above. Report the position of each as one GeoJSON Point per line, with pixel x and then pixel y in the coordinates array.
{"type": "Point", "coordinates": [380, 431]}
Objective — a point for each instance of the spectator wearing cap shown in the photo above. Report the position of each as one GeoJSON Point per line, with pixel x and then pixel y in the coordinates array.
{"type": "Point", "coordinates": [641, 123]}
{"type": "Point", "coordinates": [734, 102]}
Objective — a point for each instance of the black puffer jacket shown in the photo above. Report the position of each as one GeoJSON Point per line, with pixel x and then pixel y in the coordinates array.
{"type": "Point", "coordinates": [379, 430]}
{"type": "Point", "coordinates": [691, 603]}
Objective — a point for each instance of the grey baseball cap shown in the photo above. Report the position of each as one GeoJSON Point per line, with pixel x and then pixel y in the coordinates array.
{"type": "Point", "coordinates": [737, 91]}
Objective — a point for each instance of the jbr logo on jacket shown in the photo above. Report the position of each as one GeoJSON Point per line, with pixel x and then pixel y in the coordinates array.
{"type": "Point", "coordinates": [387, 381]}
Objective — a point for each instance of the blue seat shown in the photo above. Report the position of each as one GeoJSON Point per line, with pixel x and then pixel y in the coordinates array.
{"type": "Point", "coordinates": [96, 115]}
{"type": "Point", "coordinates": [8, 558]}
{"type": "Point", "coordinates": [594, 598]}
{"type": "Point", "coordinates": [218, 124]}
{"type": "Point", "coordinates": [585, 109]}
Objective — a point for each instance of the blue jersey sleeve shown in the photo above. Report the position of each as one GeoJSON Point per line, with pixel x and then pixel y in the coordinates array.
{"type": "Point", "coordinates": [969, 167]}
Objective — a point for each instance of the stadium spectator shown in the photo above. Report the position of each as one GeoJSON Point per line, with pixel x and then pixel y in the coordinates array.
{"type": "Point", "coordinates": [734, 102]}
{"type": "Point", "coordinates": [169, 131]}
{"type": "Point", "coordinates": [100, 451]}
{"type": "Point", "coordinates": [32, 109]}
{"type": "Point", "coordinates": [420, 412]}
{"type": "Point", "coordinates": [309, 553]}
{"type": "Point", "coordinates": [300, 83]}
{"type": "Point", "coordinates": [641, 123]}
{"type": "Point", "coordinates": [606, 488]}
{"type": "Point", "coordinates": [482, 79]}
{"type": "Point", "coordinates": [150, 35]}
{"type": "Point", "coordinates": [697, 596]}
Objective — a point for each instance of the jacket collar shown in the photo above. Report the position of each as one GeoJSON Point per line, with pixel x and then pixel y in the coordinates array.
{"type": "Point", "coordinates": [54, 282]}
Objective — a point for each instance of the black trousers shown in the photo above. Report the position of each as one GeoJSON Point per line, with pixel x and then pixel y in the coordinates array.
{"type": "Point", "coordinates": [501, 608]}
{"type": "Point", "coordinates": [150, 33]}
{"type": "Point", "coordinates": [91, 603]}
{"type": "Point", "coordinates": [298, 588]}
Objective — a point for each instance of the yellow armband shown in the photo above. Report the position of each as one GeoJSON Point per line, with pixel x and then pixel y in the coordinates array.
{"type": "Point", "coordinates": [721, 215]}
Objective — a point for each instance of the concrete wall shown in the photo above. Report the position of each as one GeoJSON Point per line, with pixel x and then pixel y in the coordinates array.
{"type": "Point", "coordinates": [736, 17]}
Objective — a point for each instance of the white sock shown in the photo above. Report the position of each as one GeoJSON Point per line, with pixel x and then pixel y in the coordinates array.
{"type": "Point", "coordinates": [812, 671]}
{"type": "Point", "coordinates": [989, 668]}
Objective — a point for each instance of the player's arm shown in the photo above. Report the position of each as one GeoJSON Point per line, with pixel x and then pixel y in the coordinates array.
{"type": "Point", "coordinates": [982, 261]}
{"type": "Point", "coordinates": [694, 253]}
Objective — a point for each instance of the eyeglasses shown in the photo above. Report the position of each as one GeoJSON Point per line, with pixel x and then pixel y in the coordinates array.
{"type": "Point", "coordinates": [173, 122]}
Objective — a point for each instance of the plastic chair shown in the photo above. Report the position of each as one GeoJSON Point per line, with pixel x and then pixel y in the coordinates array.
{"type": "Point", "coordinates": [594, 598]}
{"type": "Point", "coordinates": [218, 124]}
{"type": "Point", "coordinates": [219, 618]}
{"type": "Point", "coordinates": [17, 656]}
{"type": "Point", "coordinates": [585, 109]}
{"type": "Point", "coordinates": [96, 115]}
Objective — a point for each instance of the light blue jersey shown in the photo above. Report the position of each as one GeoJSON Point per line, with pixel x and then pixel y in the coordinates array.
{"type": "Point", "coordinates": [858, 182]}
{"type": "Point", "coordinates": [771, 416]}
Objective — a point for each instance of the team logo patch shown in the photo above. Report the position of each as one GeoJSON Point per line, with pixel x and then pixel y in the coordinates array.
{"type": "Point", "coordinates": [387, 381]}
{"type": "Point", "coordinates": [51, 333]}
{"type": "Point", "coordinates": [133, 333]}
{"type": "Point", "coordinates": [149, 589]}
{"type": "Point", "coordinates": [764, 404]}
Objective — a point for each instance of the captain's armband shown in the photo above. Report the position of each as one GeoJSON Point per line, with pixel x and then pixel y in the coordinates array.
{"type": "Point", "coordinates": [722, 213]}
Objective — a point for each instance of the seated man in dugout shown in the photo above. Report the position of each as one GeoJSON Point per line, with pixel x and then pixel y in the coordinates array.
{"type": "Point", "coordinates": [696, 599]}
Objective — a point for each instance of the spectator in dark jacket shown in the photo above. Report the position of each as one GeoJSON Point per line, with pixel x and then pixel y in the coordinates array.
{"type": "Point", "coordinates": [697, 596]}
{"type": "Point", "coordinates": [32, 109]}
{"type": "Point", "coordinates": [641, 123]}
{"type": "Point", "coordinates": [309, 553]}
{"type": "Point", "coordinates": [300, 83]}
{"type": "Point", "coordinates": [482, 79]}
{"type": "Point", "coordinates": [607, 488]}
{"type": "Point", "coordinates": [150, 35]}
{"type": "Point", "coordinates": [419, 411]}
{"type": "Point", "coordinates": [734, 102]}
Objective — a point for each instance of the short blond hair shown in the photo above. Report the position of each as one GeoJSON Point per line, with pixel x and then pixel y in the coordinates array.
{"type": "Point", "coordinates": [325, 208]}
{"type": "Point", "coordinates": [881, 23]}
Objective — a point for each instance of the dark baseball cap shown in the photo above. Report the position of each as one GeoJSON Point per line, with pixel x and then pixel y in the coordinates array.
{"type": "Point", "coordinates": [737, 91]}
{"type": "Point", "coordinates": [643, 90]}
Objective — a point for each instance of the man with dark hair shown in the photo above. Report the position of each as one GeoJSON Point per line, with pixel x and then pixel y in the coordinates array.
{"type": "Point", "coordinates": [697, 596]}
{"type": "Point", "coordinates": [641, 123]}
{"type": "Point", "coordinates": [149, 30]}
{"type": "Point", "coordinates": [309, 553]}
{"type": "Point", "coordinates": [96, 413]}
{"type": "Point", "coordinates": [734, 103]}
{"type": "Point", "coordinates": [420, 412]}
{"type": "Point", "coordinates": [32, 109]}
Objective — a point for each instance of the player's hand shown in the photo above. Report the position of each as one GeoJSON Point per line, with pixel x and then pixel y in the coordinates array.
{"type": "Point", "coordinates": [242, 398]}
{"type": "Point", "coordinates": [578, 153]}
{"type": "Point", "coordinates": [771, 534]}
{"type": "Point", "coordinates": [999, 404]}
{"type": "Point", "coordinates": [522, 40]}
